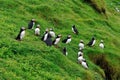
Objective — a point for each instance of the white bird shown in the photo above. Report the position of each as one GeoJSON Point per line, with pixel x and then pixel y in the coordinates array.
{"type": "Point", "coordinates": [92, 42]}
{"type": "Point", "coordinates": [21, 34]}
{"type": "Point", "coordinates": [81, 45]}
{"type": "Point", "coordinates": [52, 33]}
{"type": "Point", "coordinates": [45, 36]}
{"type": "Point", "coordinates": [37, 30]}
{"type": "Point", "coordinates": [101, 45]}
{"type": "Point", "coordinates": [74, 29]}
{"type": "Point", "coordinates": [67, 40]}
{"type": "Point", "coordinates": [84, 64]}
{"type": "Point", "coordinates": [65, 51]}
{"type": "Point", "coordinates": [80, 59]}
{"type": "Point", "coordinates": [31, 24]}
{"type": "Point", "coordinates": [80, 53]}
{"type": "Point", "coordinates": [57, 40]}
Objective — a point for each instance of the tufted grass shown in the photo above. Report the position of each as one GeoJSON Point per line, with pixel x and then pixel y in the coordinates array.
{"type": "Point", "coordinates": [31, 59]}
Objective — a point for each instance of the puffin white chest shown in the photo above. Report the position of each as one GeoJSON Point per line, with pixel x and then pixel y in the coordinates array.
{"type": "Point", "coordinates": [93, 43]}
{"type": "Point", "coordinates": [57, 40]}
{"type": "Point", "coordinates": [80, 53]}
{"type": "Point", "coordinates": [37, 31]}
{"type": "Point", "coordinates": [68, 41]}
{"type": "Point", "coordinates": [52, 33]}
{"type": "Point", "coordinates": [33, 25]}
{"type": "Point", "coordinates": [84, 64]}
{"type": "Point", "coordinates": [81, 46]}
{"type": "Point", "coordinates": [80, 58]}
{"type": "Point", "coordinates": [73, 30]}
{"type": "Point", "coordinates": [22, 34]}
{"type": "Point", "coordinates": [66, 53]}
{"type": "Point", "coordinates": [101, 45]}
{"type": "Point", "coordinates": [45, 36]}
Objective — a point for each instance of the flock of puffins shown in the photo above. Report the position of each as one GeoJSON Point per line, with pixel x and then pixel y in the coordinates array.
{"type": "Point", "coordinates": [49, 34]}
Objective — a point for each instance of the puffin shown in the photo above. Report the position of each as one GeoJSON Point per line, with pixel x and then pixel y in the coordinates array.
{"type": "Point", "coordinates": [51, 32]}
{"type": "Point", "coordinates": [65, 51]}
{"type": "Point", "coordinates": [67, 40]}
{"type": "Point", "coordinates": [81, 45]}
{"type": "Point", "coordinates": [84, 64]}
{"type": "Point", "coordinates": [80, 58]}
{"type": "Point", "coordinates": [45, 36]}
{"type": "Point", "coordinates": [56, 40]}
{"type": "Point", "coordinates": [80, 53]}
{"type": "Point", "coordinates": [37, 30]}
{"type": "Point", "coordinates": [31, 24]}
{"type": "Point", "coordinates": [21, 34]}
{"type": "Point", "coordinates": [92, 42]}
{"type": "Point", "coordinates": [48, 40]}
{"type": "Point", "coordinates": [74, 29]}
{"type": "Point", "coordinates": [101, 45]}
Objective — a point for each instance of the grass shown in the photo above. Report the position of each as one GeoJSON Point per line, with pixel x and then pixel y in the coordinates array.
{"type": "Point", "coordinates": [31, 59]}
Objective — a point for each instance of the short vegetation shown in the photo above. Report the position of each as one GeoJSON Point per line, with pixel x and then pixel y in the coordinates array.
{"type": "Point", "coordinates": [31, 59]}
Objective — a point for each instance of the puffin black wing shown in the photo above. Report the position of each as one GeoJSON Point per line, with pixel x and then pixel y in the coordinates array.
{"type": "Point", "coordinates": [64, 41]}
{"type": "Point", "coordinates": [18, 37]}
{"type": "Point", "coordinates": [90, 43]}
{"type": "Point", "coordinates": [54, 41]}
{"type": "Point", "coordinates": [76, 31]}
{"type": "Point", "coordinates": [49, 36]}
{"type": "Point", "coordinates": [42, 38]}
{"type": "Point", "coordinates": [87, 64]}
{"type": "Point", "coordinates": [64, 50]}
{"type": "Point", "coordinates": [30, 25]}
{"type": "Point", "coordinates": [49, 42]}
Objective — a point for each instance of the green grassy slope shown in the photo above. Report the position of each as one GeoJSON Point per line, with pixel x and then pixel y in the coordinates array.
{"type": "Point", "coordinates": [31, 59]}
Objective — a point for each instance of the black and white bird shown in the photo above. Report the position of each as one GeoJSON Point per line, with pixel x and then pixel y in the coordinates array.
{"type": "Point", "coordinates": [101, 45]}
{"type": "Point", "coordinates": [31, 24]}
{"type": "Point", "coordinates": [84, 64]}
{"type": "Point", "coordinates": [48, 41]}
{"type": "Point", "coordinates": [37, 30]}
{"type": "Point", "coordinates": [52, 33]}
{"type": "Point", "coordinates": [45, 36]}
{"type": "Point", "coordinates": [92, 42]}
{"type": "Point", "coordinates": [80, 53]}
{"type": "Point", "coordinates": [80, 58]}
{"type": "Point", "coordinates": [65, 51]}
{"type": "Point", "coordinates": [57, 40]}
{"type": "Point", "coordinates": [21, 34]}
{"type": "Point", "coordinates": [74, 29]}
{"type": "Point", "coordinates": [67, 40]}
{"type": "Point", "coordinates": [81, 45]}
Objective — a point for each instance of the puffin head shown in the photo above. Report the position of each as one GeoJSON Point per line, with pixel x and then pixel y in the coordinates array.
{"type": "Point", "coordinates": [38, 26]}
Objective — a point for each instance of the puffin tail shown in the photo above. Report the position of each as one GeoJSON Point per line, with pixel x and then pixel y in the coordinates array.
{"type": "Point", "coordinates": [63, 41]}
{"type": "Point", "coordinates": [18, 38]}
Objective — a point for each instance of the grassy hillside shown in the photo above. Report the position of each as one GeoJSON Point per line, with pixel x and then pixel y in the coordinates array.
{"type": "Point", "coordinates": [31, 59]}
